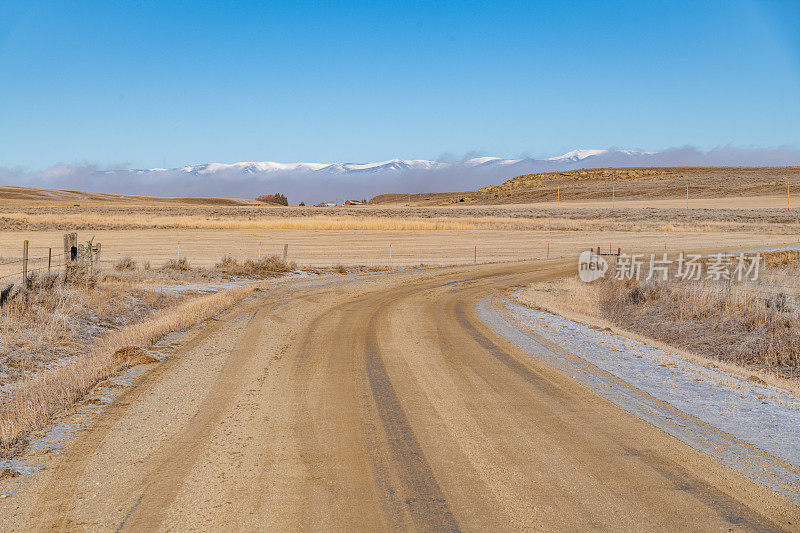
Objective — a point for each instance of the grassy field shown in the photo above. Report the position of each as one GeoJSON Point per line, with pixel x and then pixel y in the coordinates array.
{"type": "Point", "coordinates": [27, 196]}
{"type": "Point", "coordinates": [326, 248]}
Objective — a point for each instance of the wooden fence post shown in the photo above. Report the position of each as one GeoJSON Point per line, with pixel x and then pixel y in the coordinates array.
{"type": "Point", "coordinates": [25, 265]}
{"type": "Point", "coordinates": [70, 247]}
{"type": "Point", "coordinates": [70, 251]}
{"type": "Point", "coordinates": [285, 251]}
{"type": "Point", "coordinates": [49, 259]}
{"type": "Point", "coordinates": [66, 249]}
{"type": "Point", "coordinates": [475, 258]}
{"type": "Point", "coordinates": [94, 257]}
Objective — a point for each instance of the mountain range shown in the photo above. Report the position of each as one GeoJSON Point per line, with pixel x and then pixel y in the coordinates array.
{"type": "Point", "coordinates": [575, 158]}
{"type": "Point", "coordinates": [315, 182]}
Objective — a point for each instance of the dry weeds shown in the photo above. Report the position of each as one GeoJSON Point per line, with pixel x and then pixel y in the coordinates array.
{"type": "Point", "coordinates": [54, 321]}
{"type": "Point", "coordinates": [265, 266]}
{"type": "Point", "coordinates": [125, 263]}
{"type": "Point", "coordinates": [751, 324]}
{"type": "Point", "coordinates": [91, 220]}
{"type": "Point", "coordinates": [181, 265]}
{"type": "Point", "coordinates": [774, 221]}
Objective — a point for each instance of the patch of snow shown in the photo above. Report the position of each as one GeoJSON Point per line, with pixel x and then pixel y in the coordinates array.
{"type": "Point", "coordinates": [576, 155]}
{"type": "Point", "coordinates": [484, 161]}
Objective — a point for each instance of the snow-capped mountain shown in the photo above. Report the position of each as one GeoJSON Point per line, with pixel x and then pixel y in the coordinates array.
{"type": "Point", "coordinates": [315, 182]}
{"type": "Point", "coordinates": [577, 155]}
{"type": "Point", "coordinates": [393, 165]}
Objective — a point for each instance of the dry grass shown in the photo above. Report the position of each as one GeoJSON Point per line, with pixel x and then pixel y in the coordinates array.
{"type": "Point", "coordinates": [750, 324]}
{"type": "Point", "coordinates": [89, 220]}
{"type": "Point", "coordinates": [35, 195]}
{"type": "Point", "coordinates": [181, 264]}
{"type": "Point", "coordinates": [255, 267]}
{"type": "Point", "coordinates": [30, 403]}
{"type": "Point", "coordinates": [54, 320]}
{"type": "Point", "coordinates": [125, 263]}
{"type": "Point", "coordinates": [416, 219]}
{"type": "Point", "coordinates": [744, 325]}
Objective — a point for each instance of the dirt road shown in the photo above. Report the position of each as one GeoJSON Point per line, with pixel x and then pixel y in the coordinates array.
{"type": "Point", "coordinates": [376, 403]}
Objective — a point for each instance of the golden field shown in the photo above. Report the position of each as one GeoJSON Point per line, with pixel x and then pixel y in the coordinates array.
{"type": "Point", "coordinates": [321, 248]}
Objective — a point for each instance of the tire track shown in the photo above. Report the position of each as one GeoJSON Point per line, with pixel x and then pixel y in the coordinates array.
{"type": "Point", "coordinates": [424, 499]}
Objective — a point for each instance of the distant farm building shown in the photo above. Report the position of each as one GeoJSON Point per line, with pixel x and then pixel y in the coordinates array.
{"type": "Point", "coordinates": [353, 202]}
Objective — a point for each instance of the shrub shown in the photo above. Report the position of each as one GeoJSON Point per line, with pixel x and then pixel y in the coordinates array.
{"type": "Point", "coordinates": [181, 264]}
{"type": "Point", "coordinates": [227, 263]}
{"type": "Point", "coordinates": [265, 265]}
{"type": "Point", "coordinates": [78, 273]}
{"type": "Point", "coordinates": [126, 263]}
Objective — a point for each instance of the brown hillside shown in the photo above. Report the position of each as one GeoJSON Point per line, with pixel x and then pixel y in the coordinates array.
{"type": "Point", "coordinates": [628, 184]}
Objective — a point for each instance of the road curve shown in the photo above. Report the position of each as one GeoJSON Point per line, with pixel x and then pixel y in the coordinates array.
{"type": "Point", "coordinates": [379, 402]}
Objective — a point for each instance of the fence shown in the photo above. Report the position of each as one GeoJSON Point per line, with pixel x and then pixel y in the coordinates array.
{"type": "Point", "coordinates": [323, 252]}
{"type": "Point", "coordinates": [40, 259]}
{"type": "Point", "coordinates": [358, 252]}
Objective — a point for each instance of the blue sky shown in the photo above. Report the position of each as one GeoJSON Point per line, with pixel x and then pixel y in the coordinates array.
{"type": "Point", "coordinates": [161, 84]}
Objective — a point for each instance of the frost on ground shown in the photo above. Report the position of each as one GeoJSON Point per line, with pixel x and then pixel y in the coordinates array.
{"type": "Point", "coordinates": [733, 419]}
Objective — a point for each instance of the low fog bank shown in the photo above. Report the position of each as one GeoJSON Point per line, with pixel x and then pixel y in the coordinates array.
{"type": "Point", "coordinates": [306, 186]}
{"type": "Point", "coordinates": [314, 187]}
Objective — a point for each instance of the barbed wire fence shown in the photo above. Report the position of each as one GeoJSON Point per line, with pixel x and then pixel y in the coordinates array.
{"type": "Point", "coordinates": [40, 260]}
